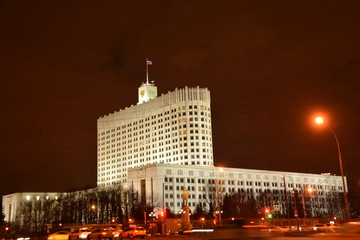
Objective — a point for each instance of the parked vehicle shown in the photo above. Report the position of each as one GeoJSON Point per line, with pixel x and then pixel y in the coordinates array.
{"type": "Point", "coordinates": [133, 232]}
{"type": "Point", "coordinates": [319, 227]}
{"type": "Point", "coordinates": [79, 234]}
{"type": "Point", "coordinates": [60, 235]}
{"type": "Point", "coordinates": [329, 227]}
{"type": "Point", "coordinates": [103, 233]}
{"type": "Point", "coordinates": [304, 228]}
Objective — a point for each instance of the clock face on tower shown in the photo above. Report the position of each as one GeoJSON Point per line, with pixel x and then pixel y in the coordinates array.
{"type": "Point", "coordinates": [142, 93]}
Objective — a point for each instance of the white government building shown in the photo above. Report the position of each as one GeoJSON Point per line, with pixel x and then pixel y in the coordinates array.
{"type": "Point", "coordinates": [164, 143]}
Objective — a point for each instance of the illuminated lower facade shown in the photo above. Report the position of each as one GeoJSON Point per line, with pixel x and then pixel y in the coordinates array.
{"type": "Point", "coordinates": [161, 185]}
{"type": "Point", "coordinates": [12, 202]}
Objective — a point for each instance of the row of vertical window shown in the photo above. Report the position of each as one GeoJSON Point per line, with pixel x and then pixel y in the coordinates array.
{"type": "Point", "coordinates": [204, 111]}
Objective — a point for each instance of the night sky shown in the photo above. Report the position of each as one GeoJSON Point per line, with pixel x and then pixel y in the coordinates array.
{"type": "Point", "coordinates": [270, 66]}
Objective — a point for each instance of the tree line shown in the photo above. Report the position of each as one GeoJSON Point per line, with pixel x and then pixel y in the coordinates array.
{"type": "Point", "coordinates": [93, 206]}
{"type": "Point", "coordinates": [291, 204]}
{"type": "Point", "coordinates": [115, 204]}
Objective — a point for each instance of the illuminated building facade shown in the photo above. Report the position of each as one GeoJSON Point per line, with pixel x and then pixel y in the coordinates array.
{"type": "Point", "coordinates": [174, 128]}
{"type": "Point", "coordinates": [13, 202]}
{"type": "Point", "coordinates": [164, 144]}
{"type": "Point", "coordinates": [162, 185]}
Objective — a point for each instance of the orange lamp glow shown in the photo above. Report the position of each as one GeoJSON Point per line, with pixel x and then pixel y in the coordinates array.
{"type": "Point", "coordinates": [319, 120]}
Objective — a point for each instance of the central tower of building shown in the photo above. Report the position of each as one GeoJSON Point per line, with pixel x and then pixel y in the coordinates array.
{"type": "Point", "coordinates": [174, 128]}
{"type": "Point", "coordinates": [147, 91]}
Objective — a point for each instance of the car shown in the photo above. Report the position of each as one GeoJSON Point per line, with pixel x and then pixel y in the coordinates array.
{"type": "Point", "coordinates": [304, 228]}
{"type": "Point", "coordinates": [60, 235]}
{"type": "Point", "coordinates": [133, 232]}
{"type": "Point", "coordinates": [79, 234]}
{"type": "Point", "coordinates": [319, 227]}
{"type": "Point", "coordinates": [103, 233]}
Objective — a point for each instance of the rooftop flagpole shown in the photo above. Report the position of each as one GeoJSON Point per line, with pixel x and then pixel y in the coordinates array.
{"type": "Point", "coordinates": [147, 70]}
{"type": "Point", "coordinates": [147, 73]}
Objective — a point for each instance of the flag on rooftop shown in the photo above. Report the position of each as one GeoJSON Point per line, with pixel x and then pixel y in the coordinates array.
{"type": "Point", "coordinates": [148, 62]}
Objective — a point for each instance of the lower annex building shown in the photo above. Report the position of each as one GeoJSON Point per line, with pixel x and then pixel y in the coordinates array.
{"type": "Point", "coordinates": [164, 143]}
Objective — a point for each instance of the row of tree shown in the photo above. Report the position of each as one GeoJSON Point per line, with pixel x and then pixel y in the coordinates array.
{"type": "Point", "coordinates": [99, 205]}
{"type": "Point", "coordinates": [115, 204]}
{"type": "Point", "coordinates": [290, 204]}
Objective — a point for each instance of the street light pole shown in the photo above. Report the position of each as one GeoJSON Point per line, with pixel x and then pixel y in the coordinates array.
{"type": "Point", "coordinates": [320, 121]}
{"type": "Point", "coordinates": [347, 211]}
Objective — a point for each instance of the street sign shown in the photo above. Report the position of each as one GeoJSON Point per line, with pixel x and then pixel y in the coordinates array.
{"type": "Point", "coordinates": [276, 207]}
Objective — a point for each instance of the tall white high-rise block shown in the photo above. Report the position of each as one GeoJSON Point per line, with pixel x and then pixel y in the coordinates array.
{"type": "Point", "coordinates": [174, 128]}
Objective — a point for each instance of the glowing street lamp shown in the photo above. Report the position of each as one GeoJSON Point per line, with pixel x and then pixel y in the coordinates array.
{"type": "Point", "coordinates": [320, 121]}
{"type": "Point", "coordinates": [202, 222]}
{"type": "Point", "coordinates": [93, 207]}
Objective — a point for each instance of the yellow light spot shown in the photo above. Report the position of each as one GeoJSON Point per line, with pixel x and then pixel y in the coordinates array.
{"type": "Point", "coordinates": [319, 120]}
